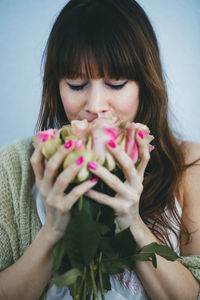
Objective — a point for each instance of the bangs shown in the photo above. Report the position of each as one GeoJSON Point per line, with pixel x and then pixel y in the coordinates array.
{"type": "Point", "coordinates": [94, 45]}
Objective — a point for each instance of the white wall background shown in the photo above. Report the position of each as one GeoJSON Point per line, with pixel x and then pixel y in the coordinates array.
{"type": "Point", "coordinates": [24, 28]}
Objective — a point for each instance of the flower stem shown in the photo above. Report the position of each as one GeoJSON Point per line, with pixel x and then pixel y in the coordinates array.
{"type": "Point", "coordinates": [93, 282]}
{"type": "Point", "coordinates": [98, 215]}
{"type": "Point", "coordinates": [80, 204]}
{"type": "Point", "coordinates": [89, 290]}
{"type": "Point", "coordinates": [101, 278]}
{"type": "Point", "coordinates": [74, 289]}
{"type": "Point", "coordinates": [84, 297]}
{"type": "Point", "coordinates": [83, 280]}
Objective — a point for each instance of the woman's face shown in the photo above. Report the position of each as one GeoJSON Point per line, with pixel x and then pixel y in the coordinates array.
{"type": "Point", "coordinates": [89, 99]}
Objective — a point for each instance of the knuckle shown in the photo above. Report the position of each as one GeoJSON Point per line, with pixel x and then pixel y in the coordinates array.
{"type": "Point", "coordinates": [146, 156]}
{"type": "Point", "coordinates": [49, 201]}
{"type": "Point", "coordinates": [33, 160]}
{"type": "Point", "coordinates": [140, 188]}
{"type": "Point", "coordinates": [128, 164]}
{"type": "Point", "coordinates": [43, 192]}
{"type": "Point", "coordinates": [124, 209]}
{"type": "Point", "coordinates": [60, 208]}
{"type": "Point", "coordinates": [51, 166]}
{"type": "Point", "coordinates": [114, 181]}
{"type": "Point", "coordinates": [76, 193]}
{"type": "Point", "coordinates": [37, 182]}
{"type": "Point", "coordinates": [61, 180]}
{"type": "Point", "coordinates": [129, 193]}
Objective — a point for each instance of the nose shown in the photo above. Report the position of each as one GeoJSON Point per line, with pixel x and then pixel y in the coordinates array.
{"type": "Point", "coordinates": [96, 100]}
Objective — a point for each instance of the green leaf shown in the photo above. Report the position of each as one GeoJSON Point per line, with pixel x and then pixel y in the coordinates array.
{"type": "Point", "coordinates": [154, 261]}
{"type": "Point", "coordinates": [103, 229]}
{"type": "Point", "coordinates": [106, 246]}
{"type": "Point", "coordinates": [166, 252]}
{"type": "Point", "coordinates": [82, 239]}
{"type": "Point", "coordinates": [124, 243]}
{"type": "Point", "coordinates": [107, 217]}
{"type": "Point", "coordinates": [91, 206]}
{"type": "Point", "coordinates": [106, 281]}
{"type": "Point", "coordinates": [68, 278]}
{"type": "Point", "coordinates": [58, 252]}
{"type": "Point", "coordinates": [116, 265]}
{"type": "Point", "coordinates": [147, 253]}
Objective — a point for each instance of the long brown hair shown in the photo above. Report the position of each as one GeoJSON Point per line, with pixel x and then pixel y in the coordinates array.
{"type": "Point", "coordinates": [115, 38]}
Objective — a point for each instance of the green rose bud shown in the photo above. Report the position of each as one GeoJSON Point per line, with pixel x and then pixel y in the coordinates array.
{"type": "Point", "coordinates": [88, 155]}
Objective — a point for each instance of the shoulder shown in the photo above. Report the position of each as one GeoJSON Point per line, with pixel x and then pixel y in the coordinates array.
{"type": "Point", "coordinates": [191, 195]}
{"type": "Point", "coordinates": [191, 174]}
{"type": "Point", "coordinates": [191, 156]}
{"type": "Point", "coordinates": [15, 160]}
{"type": "Point", "coordinates": [191, 151]}
{"type": "Point", "coordinates": [19, 149]}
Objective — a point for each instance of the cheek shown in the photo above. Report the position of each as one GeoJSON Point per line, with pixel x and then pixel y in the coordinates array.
{"type": "Point", "coordinates": [128, 110]}
{"type": "Point", "coordinates": [131, 103]}
{"type": "Point", "coordinates": [66, 103]}
{"type": "Point", "coordinates": [69, 101]}
{"type": "Point", "coordinates": [71, 107]}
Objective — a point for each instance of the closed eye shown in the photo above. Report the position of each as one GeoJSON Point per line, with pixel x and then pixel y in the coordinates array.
{"type": "Point", "coordinates": [112, 86]}
{"type": "Point", "coordinates": [117, 86]}
{"type": "Point", "coordinates": [77, 87]}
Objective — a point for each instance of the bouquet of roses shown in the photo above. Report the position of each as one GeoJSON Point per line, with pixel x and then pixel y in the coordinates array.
{"type": "Point", "coordinates": [93, 247]}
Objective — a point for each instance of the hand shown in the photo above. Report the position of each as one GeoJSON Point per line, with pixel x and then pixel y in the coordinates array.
{"type": "Point", "coordinates": [126, 201]}
{"type": "Point", "coordinates": [52, 187]}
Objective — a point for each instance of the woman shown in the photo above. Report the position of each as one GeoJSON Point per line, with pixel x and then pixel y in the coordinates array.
{"type": "Point", "coordinates": [102, 57]}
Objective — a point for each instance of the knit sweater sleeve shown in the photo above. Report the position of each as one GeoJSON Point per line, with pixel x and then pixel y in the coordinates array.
{"type": "Point", "coordinates": [18, 219]}
{"type": "Point", "coordinates": [192, 262]}
{"type": "Point", "coordinates": [8, 230]}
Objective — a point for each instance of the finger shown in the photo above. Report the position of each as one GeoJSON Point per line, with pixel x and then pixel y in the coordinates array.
{"type": "Point", "coordinates": [37, 161]}
{"type": "Point", "coordinates": [110, 179]}
{"type": "Point", "coordinates": [144, 155]}
{"type": "Point", "coordinates": [101, 198]}
{"type": "Point", "coordinates": [54, 163]}
{"type": "Point", "coordinates": [67, 176]}
{"type": "Point", "coordinates": [77, 192]}
{"type": "Point", "coordinates": [124, 160]}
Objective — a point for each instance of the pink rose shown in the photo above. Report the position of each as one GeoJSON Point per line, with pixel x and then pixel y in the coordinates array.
{"type": "Point", "coordinates": [90, 139]}
{"type": "Point", "coordinates": [43, 136]}
{"type": "Point", "coordinates": [104, 129]}
{"type": "Point", "coordinates": [131, 147]}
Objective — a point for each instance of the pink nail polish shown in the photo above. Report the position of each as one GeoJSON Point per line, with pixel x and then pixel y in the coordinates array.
{"type": "Point", "coordinates": [94, 179]}
{"type": "Point", "coordinates": [92, 165]}
{"type": "Point", "coordinates": [45, 138]}
{"type": "Point", "coordinates": [68, 144]}
{"type": "Point", "coordinates": [80, 160]}
{"type": "Point", "coordinates": [112, 144]}
{"type": "Point", "coordinates": [140, 134]}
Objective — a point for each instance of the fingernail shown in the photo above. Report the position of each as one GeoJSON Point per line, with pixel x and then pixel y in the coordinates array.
{"type": "Point", "coordinates": [68, 144]}
{"type": "Point", "coordinates": [94, 179]}
{"type": "Point", "coordinates": [112, 144]}
{"type": "Point", "coordinates": [92, 165]}
{"type": "Point", "coordinates": [45, 138]}
{"type": "Point", "coordinates": [80, 160]}
{"type": "Point", "coordinates": [140, 134]}
{"type": "Point", "coordinates": [151, 148]}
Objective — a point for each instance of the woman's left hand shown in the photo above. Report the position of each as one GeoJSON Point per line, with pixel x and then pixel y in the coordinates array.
{"type": "Point", "coordinates": [126, 201]}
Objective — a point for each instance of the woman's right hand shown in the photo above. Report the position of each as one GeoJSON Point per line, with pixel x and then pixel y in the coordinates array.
{"type": "Point", "coordinates": [52, 186]}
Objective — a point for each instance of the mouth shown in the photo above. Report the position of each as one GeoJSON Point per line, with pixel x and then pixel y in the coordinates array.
{"type": "Point", "coordinates": [107, 114]}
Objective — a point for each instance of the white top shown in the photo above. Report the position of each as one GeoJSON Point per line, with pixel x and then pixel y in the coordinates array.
{"type": "Point", "coordinates": [128, 289]}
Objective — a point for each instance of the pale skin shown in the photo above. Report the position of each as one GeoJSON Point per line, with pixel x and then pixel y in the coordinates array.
{"type": "Point", "coordinates": [36, 263]}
